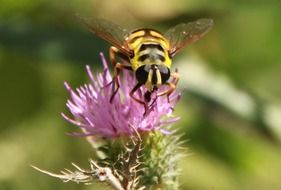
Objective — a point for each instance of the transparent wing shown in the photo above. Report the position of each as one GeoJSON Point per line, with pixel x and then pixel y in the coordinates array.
{"type": "Point", "coordinates": [187, 33]}
{"type": "Point", "coordinates": [108, 31]}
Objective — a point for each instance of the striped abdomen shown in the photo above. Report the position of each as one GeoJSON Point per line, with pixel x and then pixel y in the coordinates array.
{"type": "Point", "coordinates": [151, 60]}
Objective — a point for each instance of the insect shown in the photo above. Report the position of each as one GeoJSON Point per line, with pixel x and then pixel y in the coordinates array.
{"type": "Point", "coordinates": [147, 52]}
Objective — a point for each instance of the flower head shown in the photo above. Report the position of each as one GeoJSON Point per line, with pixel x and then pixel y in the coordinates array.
{"type": "Point", "coordinates": [93, 112]}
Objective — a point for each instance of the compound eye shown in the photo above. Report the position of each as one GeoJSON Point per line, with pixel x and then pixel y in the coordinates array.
{"type": "Point", "coordinates": [142, 74]}
{"type": "Point", "coordinates": [165, 73]}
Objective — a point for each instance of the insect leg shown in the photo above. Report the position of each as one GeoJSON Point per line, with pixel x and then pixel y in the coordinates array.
{"type": "Point", "coordinates": [113, 52]}
{"type": "Point", "coordinates": [172, 85]}
{"type": "Point", "coordinates": [176, 77]}
{"type": "Point", "coordinates": [136, 87]}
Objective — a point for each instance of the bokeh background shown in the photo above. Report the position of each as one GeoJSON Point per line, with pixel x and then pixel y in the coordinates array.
{"type": "Point", "coordinates": [231, 105]}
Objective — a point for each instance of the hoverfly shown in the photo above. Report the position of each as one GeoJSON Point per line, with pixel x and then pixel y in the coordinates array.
{"type": "Point", "coordinates": [147, 52]}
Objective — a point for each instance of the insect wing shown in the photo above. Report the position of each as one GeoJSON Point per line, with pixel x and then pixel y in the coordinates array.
{"type": "Point", "coordinates": [186, 33]}
{"type": "Point", "coordinates": [108, 31]}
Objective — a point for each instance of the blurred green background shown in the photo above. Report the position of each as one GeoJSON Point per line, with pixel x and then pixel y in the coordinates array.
{"type": "Point", "coordinates": [231, 105]}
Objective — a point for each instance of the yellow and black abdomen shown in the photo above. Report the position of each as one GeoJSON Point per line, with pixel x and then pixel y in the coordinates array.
{"type": "Point", "coordinates": [151, 61]}
{"type": "Point", "coordinates": [148, 45]}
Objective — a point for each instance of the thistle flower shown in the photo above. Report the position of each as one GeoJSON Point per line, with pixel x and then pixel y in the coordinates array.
{"type": "Point", "coordinates": [96, 116]}
{"type": "Point", "coordinates": [147, 158]}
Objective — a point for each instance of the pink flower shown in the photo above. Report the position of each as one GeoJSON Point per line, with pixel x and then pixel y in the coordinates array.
{"type": "Point", "coordinates": [96, 116]}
